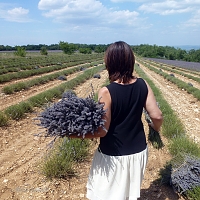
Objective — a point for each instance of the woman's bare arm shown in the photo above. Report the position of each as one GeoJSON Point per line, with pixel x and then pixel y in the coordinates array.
{"type": "Point", "coordinates": [153, 110]}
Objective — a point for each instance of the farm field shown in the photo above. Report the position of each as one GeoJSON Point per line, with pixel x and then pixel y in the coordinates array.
{"type": "Point", "coordinates": [181, 64]}
{"type": "Point", "coordinates": [183, 78]}
{"type": "Point", "coordinates": [8, 100]}
{"type": "Point", "coordinates": [186, 106]}
{"type": "Point", "coordinates": [21, 150]}
{"type": "Point", "coordinates": [186, 76]}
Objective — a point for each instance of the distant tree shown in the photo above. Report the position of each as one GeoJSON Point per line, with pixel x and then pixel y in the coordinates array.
{"type": "Point", "coordinates": [194, 55]}
{"type": "Point", "coordinates": [54, 47]}
{"type": "Point", "coordinates": [197, 55]}
{"type": "Point", "coordinates": [180, 55]}
{"type": "Point", "coordinates": [43, 51]}
{"type": "Point", "coordinates": [20, 51]}
{"type": "Point", "coordinates": [8, 48]}
{"type": "Point", "coordinates": [85, 50]}
{"type": "Point", "coordinates": [171, 56]}
{"type": "Point", "coordinates": [161, 52]}
{"type": "Point", "coordinates": [31, 47]}
{"type": "Point", "coordinates": [66, 47]}
{"type": "Point", "coordinates": [99, 49]}
{"type": "Point", "coordinates": [2, 48]}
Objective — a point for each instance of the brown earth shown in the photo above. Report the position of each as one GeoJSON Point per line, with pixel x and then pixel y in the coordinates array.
{"type": "Point", "coordinates": [21, 152]}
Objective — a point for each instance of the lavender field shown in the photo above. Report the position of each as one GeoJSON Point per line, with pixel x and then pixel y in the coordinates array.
{"type": "Point", "coordinates": [183, 64]}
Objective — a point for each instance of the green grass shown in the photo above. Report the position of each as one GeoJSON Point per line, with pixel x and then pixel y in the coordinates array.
{"type": "Point", "coordinates": [184, 145]}
{"type": "Point", "coordinates": [62, 158]}
{"type": "Point", "coordinates": [15, 112]}
{"type": "Point", "coordinates": [3, 119]}
{"type": "Point", "coordinates": [194, 194]}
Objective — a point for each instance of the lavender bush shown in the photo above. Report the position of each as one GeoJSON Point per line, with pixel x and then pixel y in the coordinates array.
{"type": "Point", "coordinates": [187, 175]}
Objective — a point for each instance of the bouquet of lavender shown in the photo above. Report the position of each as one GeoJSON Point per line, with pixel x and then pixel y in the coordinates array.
{"type": "Point", "coordinates": [72, 115]}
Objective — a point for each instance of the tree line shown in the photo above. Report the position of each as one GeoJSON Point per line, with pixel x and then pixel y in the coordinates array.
{"type": "Point", "coordinates": [64, 46]}
{"type": "Point", "coordinates": [166, 52]}
{"type": "Point", "coordinates": [144, 50]}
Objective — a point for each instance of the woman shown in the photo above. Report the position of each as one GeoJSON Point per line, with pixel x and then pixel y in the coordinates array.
{"type": "Point", "coordinates": [119, 162]}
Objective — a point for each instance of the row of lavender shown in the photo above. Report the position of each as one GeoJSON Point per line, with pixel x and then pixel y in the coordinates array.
{"type": "Point", "coordinates": [183, 64]}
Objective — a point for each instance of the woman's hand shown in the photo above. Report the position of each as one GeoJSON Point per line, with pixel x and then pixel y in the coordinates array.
{"type": "Point", "coordinates": [153, 127]}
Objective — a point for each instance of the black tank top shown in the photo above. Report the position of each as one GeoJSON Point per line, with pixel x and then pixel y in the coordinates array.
{"type": "Point", "coordinates": [126, 133]}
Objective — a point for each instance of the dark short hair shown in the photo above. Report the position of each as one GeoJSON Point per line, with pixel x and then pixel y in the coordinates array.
{"type": "Point", "coordinates": [119, 60]}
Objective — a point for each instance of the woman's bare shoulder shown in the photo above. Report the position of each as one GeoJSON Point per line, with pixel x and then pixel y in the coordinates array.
{"type": "Point", "coordinates": [104, 95]}
{"type": "Point", "coordinates": [104, 91]}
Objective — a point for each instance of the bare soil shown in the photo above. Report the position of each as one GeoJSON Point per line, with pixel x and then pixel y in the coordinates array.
{"type": "Point", "coordinates": [21, 151]}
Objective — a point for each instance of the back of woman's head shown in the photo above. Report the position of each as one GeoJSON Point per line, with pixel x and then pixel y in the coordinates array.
{"type": "Point", "coordinates": [119, 61]}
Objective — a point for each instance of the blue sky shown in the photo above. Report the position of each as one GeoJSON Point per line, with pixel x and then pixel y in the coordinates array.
{"type": "Point", "coordinates": [167, 22]}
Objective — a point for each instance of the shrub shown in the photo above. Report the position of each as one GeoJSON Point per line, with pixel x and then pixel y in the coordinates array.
{"type": "Point", "coordinates": [60, 160]}
{"type": "Point", "coordinates": [3, 119]}
{"type": "Point", "coordinates": [15, 112]}
{"type": "Point", "coordinates": [20, 51]}
{"type": "Point", "coordinates": [43, 51]}
{"type": "Point", "coordinates": [8, 90]}
{"type": "Point", "coordinates": [18, 111]}
{"type": "Point", "coordinates": [26, 106]}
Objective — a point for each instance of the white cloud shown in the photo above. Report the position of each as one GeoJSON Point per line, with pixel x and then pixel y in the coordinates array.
{"type": "Point", "coordinates": [169, 7]}
{"type": "Point", "coordinates": [172, 7]}
{"type": "Point", "coordinates": [123, 17]}
{"type": "Point", "coordinates": [88, 13]}
{"type": "Point", "coordinates": [72, 11]}
{"type": "Point", "coordinates": [164, 7]}
{"type": "Point", "coordinates": [93, 13]}
{"type": "Point", "coordinates": [50, 4]}
{"type": "Point", "coordinates": [71, 6]}
{"type": "Point", "coordinates": [194, 21]}
{"type": "Point", "coordinates": [121, 1]}
{"type": "Point", "coordinates": [17, 14]}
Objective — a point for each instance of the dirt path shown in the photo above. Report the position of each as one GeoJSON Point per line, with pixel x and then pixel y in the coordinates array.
{"type": "Point", "coordinates": [21, 151]}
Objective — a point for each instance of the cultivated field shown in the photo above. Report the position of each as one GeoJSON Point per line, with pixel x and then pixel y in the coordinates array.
{"type": "Point", "coordinates": [21, 151]}
{"type": "Point", "coordinates": [181, 64]}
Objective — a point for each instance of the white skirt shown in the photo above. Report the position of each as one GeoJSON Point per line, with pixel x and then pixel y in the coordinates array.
{"type": "Point", "coordinates": [116, 177]}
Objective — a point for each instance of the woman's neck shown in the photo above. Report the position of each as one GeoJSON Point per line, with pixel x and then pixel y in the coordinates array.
{"type": "Point", "coordinates": [132, 80]}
